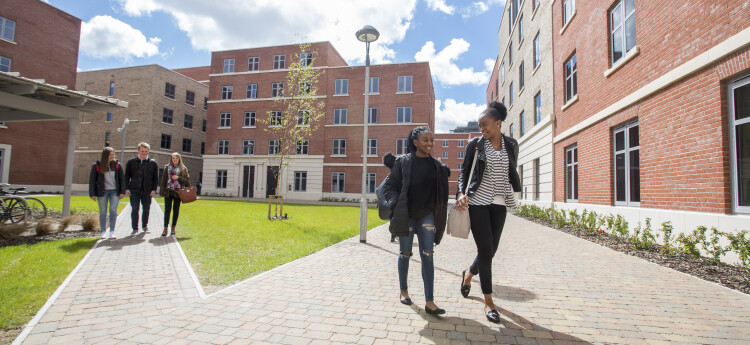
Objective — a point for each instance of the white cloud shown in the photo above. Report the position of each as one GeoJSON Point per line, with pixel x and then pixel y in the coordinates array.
{"type": "Point", "coordinates": [443, 64]}
{"type": "Point", "coordinates": [105, 37]}
{"type": "Point", "coordinates": [479, 7]}
{"type": "Point", "coordinates": [450, 114]}
{"type": "Point", "coordinates": [236, 24]}
{"type": "Point", "coordinates": [440, 5]}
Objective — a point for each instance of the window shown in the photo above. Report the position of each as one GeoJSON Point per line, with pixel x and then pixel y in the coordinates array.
{"type": "Point", "coordinates": [460, 154]}
{"type": "Point", "coordinates": [571, 173]}
{"type": "Point", "coordinates": [460, 143]}
{"type": "Point", "coordinates": [205, 103]}
{"type": "Point", "coordinates": [510, 130]}
{"type": "Point", "coordinates": [341, 87]}
{"type": "Point", "coordinates": [223, 147]}
{"type": "Point", "coordinates": [338, 182]}
{"type": "Point", "coordinates": [404, 83]}
{"type": "Point", "coordinates": [339, 147]}
{"type": "Point", "coordinates": [305, 88]}
{"type": "Point", "coordinates": [303, 118]}
{"type": "Point", "coordinates": [203, 147]}
{"type": "Point", "coordinates": [228, 65]}
{"type": "Point", "coordinates": [302, 146]}
{"type": "Point", "coordinates": [186, 144]}
{"type": "Point", "coordinates": [4, 64]}
{"type": "Point", "coordinates": [445, 143]}
{"type": "Point", "coordinates": [371, 183]}
{"type": "Point", "coordinates": [111, 88]}
{"type": "Point", "coordinates": [571, 80]}
{"type": "Point", "coordinates": [537, 51]}
{"type": "Point", "coordinates": [305, 59]}
{"type": "Point", "coordinates": [538, 108]}
{"type": "Point", "coordinates": [521, 81]}
{"type": "Point", "coordinates": [203, 128]}
{"type": "Point", "coordinates": [374, 85]}
{"type": "Point", "coordinates": [7, 29]}
{"type": "Point", "coordinates": [249, 119]}
{"type": "Point", "coordinates": [513, 10]}
{"type": "Point", "coordinates": [109, 117]}
{"type": "Point", "coordinates": [537, 183]}
{"type": "Point", "coordinates": [251, 91]}
{"type": "Point", "coordinates": [253, 63]}
{"type": "Point", "coordinates": [569, 7]}
{"type": "Point", "coordinates": [739, 128]}
{"type": "Point", "coordinates": [460, 166]}
{"type": "Point", "coordinates": [403, 114]}
{"type": "Point", "coordinates": [166, 116]}
{"type": "Point", "coordinates": [372, 115]}
{"type": "Point", "coordinates": [277, 89]}
{"type": "Point", "coordinates": [339, 116]}
{"type": "Point", "coordinates": [169, 90]}
{"type": "Point", "coordinates": [275, 120]}
{"type": "Point", "coordinates": [502, 73]}
{"type": "Point", "coordinates": [627, 165]}
{"type": "Point", "coordinates": [520, 179]}
{"type": "Point", "coordinates": [189, 97]}
{"type": "Point", "coordinates": [106, 138]}
{"type": "Point", "coordinates": [372, 147]}
{"type": "Point", "coordinates": [248, 147]}
{"type": "Point", "coordinates": [225, 120]}
{"type": "Point", "coordinates": [520, 29]}
{"type": "Point", "coordinates": [279, 62]}
{"type": "Point", "coordinates": [510, 54]}
{"type": "Point", "coordinates": [274, 147]}
{"type": "Point", "coordinates": [188, 123]}
{"type": "Point", "coordinates": [622, 28]}
{"type": "Point", "coordinates": [166, 141]}
{"type": "Point", "coordinates": [226, 92]}
{"type": "Point", "coordinates": [445, 155]}
{"type": "Point", "coordinates": [534, 4]}
{"type": "Point", "coordinates": [221, 179]}
{"type": "Point", "coordinates": [521, 124]}
{"type": "Point", "coordinates": [300, 181]}
{"type": "Point", "coordinates": [510, 95]}
{"type": "Point", "coordinates": [401, 146]}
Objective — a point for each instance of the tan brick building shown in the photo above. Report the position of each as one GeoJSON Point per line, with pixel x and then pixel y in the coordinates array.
{"type": "Point", "coordinates": [166, 109]}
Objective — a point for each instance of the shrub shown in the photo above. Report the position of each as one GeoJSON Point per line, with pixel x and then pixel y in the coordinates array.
{"type": "Point", "coordinates": [667, 248]}
{"type": "Point", "coordinates": [740, 243]}
{"type": "Point", "coordinates": [647, 238]}
{"type": "Point", "coordinates": [89, 222]}
{"type": "Point", "coordinates": [560, 219]}
{"type": "Point", "coordinates": [575, 219]}
{"type": "Point", "coordinates": [44, 227]}
{"type": "Point", "coordinates": [713, 248]}
{"type": "Point", "coordinates": [689, 243]}
{"type": "Point", "coordinates": [620, 227]}
{"type": "Point", "coordinates": [589, 222]}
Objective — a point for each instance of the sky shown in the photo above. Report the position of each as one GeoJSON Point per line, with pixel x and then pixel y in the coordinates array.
{"type": "Point", "coordinates": [457, 37]}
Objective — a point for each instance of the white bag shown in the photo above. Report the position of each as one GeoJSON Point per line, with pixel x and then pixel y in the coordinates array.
{"type": "Point", "coordinates": [458, 221]}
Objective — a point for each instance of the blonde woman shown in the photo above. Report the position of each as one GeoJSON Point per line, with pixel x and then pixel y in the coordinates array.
{"type": "Point", "coordinates": [175, 176]}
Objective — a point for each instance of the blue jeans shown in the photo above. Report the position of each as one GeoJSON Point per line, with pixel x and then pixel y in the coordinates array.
{"type": "Point", "coordinates": [111, 196]}
{"type": "Point", "coordinates": [425, 230]}
{"type": "Point", "coordinates": [139, 199]}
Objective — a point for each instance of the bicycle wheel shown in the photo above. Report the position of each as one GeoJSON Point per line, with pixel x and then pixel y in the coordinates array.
{"type": "Point", "coordinates": [35, 210]}
{"type": "Point", "coordinates": [16, 211]}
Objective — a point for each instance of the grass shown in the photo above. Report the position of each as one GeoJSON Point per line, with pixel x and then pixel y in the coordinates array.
{"type": "Point", "coordinates": [229, 241]}
{"type": "Point", "coordinates": [78, 204]}
{"type": "Point", "coordinates": [31, 273]}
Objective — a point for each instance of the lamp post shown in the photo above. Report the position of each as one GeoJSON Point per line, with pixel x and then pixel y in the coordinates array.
{"type": "Point", "coordinates": [366, 34]}
{"type": "Point", "coordinates": [122, 129]}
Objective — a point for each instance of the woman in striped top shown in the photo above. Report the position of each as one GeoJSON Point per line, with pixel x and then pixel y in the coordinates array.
{"type": "Point", "coordinates": [490, 194]}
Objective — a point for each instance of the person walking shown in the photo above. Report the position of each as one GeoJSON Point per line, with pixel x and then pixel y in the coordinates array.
{"type": "Point", "coordinates": [106, 185]}
{"type": "Point", "coordinates": [175, 176]}
{"type": "Point", "coordinates": [490, 194]}
{"type": "Point", "coordinates": [416, 192]}
{"type": "Point", "coordinates": [141, 179]}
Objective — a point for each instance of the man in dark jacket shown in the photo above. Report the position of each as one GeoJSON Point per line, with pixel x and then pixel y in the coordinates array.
{"type": "Point", "coordinates": [141, 181]}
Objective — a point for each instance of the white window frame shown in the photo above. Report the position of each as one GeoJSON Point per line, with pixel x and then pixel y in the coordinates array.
{"type": "Point", "coordinates": [248, 147]}
{"type": "Point", "coordinates": [338, 147]}
{"type": "Point", "coordinates": [460, 143]}
{"type": "Point", "coordinates": [253, 63]}
{"type": "Point", "coordinates": [223, 147]}
{"type": "Point", "coordinates": [445, 155]}
{"type": "Point", "coordinates": [538, 108]}
{"type": "Point", "coordinates": [372, 147]}
{"type": "Point", "coordinates": [338, 182]}
{"type": "Point", "coordinates": [374, 85]}
{"type": "Point", "coordinates": [305, 59]}
{"type": "Point", "coordinates": [460, 154]}
{"type": "Point", "coordinates": [250, 119]}
{"type": "Point", "coordinates": [405, 83]}
{"type": "Point", "coordinates": [445, 143]}
{"type": "Point", "coordinates": [521, 79]}
{"type": "Point", "coordinates": [221, 179]}
{"type": "Point", "coordinates": [274, 147]}
{"type": "Point", "coordinates": [279, 61]}
{"type": "Point", "coordinates": [626, 151]}
{"type": "Point", "coordinates": [571, 174]}
{"type": "Point", "coordinates": [300, 181]}
{"type": "Point", "coordinates": [251, 91]}
{"type": "Point", "coordinates": [624, 17]}
{"type": "Point", "coordinates": [537, 180]}
{"type": "Point", "coordinates": [225, 120]}
{"type": "Point", "coordinates": [537, 51]}
{"type": "Point", "coordinates": [277, 89]}
{"type": "Point", "coordinates": [303, 118]}
{"type": "Point", "coordinates": [372, 182]}
{"type": "Point", "coordinates": [3, 22]}
{"type": "Point", "coordinates": [228, 66]}
{"type": "Point", "coordinates": [402, 146]}
{"type": "Point", "coordinates": [276, 118]}
{"type": "Point", "coordinates": [340, 116]}
{"type": "Point", "coordinates": [733, 125]}
{"type": "Point", "coordinates": [372, 115]}
{"type": "Point", "coordinates": [502, 73]}
{"type": "Point", "coordinates": [570, 69]}
{"type": "Point", "coordinates": [226, 91]}
{"type": "Point", "coordinates": [569, 7]}
{"type": "Point", "coordinates": [341, 87]}
{"type": "Point", "coordinates": [522, 129]}
{"type": "Point", "coordinates": [303, 146]}
{"type": "Point", "coordinates": [5, 64]}
{"type": "Point", "coordinates": [402, 115]}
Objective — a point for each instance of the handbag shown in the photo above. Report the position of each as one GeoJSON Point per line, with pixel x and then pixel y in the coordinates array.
{"type": "Point", "coordinates": [459, 223]}
{"type": "Point", "coordinates": [187, 194]}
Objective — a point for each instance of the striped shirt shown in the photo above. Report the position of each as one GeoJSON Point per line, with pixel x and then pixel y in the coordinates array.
{"type": "Point", "coordinates": [495, 187]}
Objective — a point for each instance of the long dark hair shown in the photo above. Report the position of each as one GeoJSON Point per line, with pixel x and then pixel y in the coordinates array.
{"type": "Point", "coordinates": [414, 135]}
{"type": "Point", "coordinates": [104, 165]}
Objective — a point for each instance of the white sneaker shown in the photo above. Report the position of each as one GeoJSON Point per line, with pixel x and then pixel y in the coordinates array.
{"type": "Point", "coordinates": [112, 235]}
{"type": "Point", "coordinates": [104, 235]}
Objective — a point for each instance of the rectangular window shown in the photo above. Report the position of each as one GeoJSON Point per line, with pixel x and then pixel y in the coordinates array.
{"type": "Point", "coordinates": [537, 51]}
{"type": "Point", "coordinates": [403, 114]}
{"type": "Point", "coordinates": [521, 81]}
{"type": "Point", "coordinates": [510, 130]}
{"type": "Point", "coordinates": [225, 120]}
{"type": "Point", "coordinates": [106, 138]}
{"type": "Point", "coordinates": [502, 73]}
{"type": "Point", "coordinates": [569, 7]}
{"type": "Point", "coordinates": [223, 147]}
{"type": "Point", "coordinates": [109, 117]}
{"type": "Point", "coordinates": [514, 10]}
{"type": "Point", "coordinates": [188, 123]}
{"type": "Point", "coordinates": [203, 127]}
{"type": "Point", "coordinates": [249, 119]}
{"type": "Point", "coordinates": [4, 64]}
{"type": "Point", "coordinates": [374, 85]}
{"type": "Point", "coordinates": [7, 29]}
{"type": "Point", "coordinates": [277, 89]}
{"type": "Point", "coordinates": [460, 166]}
{"type": "Point", "coordinates": [460, 154]}
{"type": "Point", "coordinates": [166, 141]}
{"type": "Point", "coordinates": [571, 174]}
{"type": "Point", "coordinates": [404, 83]}
{"type": "Point", "coordinates": [445, 143]}
{"type": "Point", "coordinates": [445, 155]}
{"type": "Point", "coordinates": [186, 144]}
{"type": "Point", "coordinates": [167, 116]}
{"type": "Point", "coordinates": [571, 79]}
{"type": "Point", "coordinates": [537, 183]}
{"type": "Point", "coordinates": [228, 65]}
{"type": "Point", "coordinates": [189, 97]}
{"type": "Point", "coordinates": [300, 181]}
{"type": "Point", "coordinates": [510, 54]}
{"type": "Point", "coordinates": [520, 178]}
{"type": "Point", "coordinates": [303, 146]}
{"type": "Point", "coordinates": [739, 129]}
{"type": "Point", "coordinates": [627, 165]}
{"type": "Point", "coordinates": [111, 88]}
{"type": "Point", "coordinates": [341, 87]}
{"type": "Point", "coordinates": [305, 59]}
{"type": "Point", "coordinates": [538, 108]}
{"type": "Point", "coordinates": [203, 147]}
{"type": "Point", "coordinates": [622, 28]}
{"type": "Point", "coordinates": [221, 179]}
{"type": "Point", "coordinates": [275, 120]}
{"type": "Point", "coordinates": [372, 115]}
{"type": "Point", "coordinates": [248, 147]}
{"type": "Point", "coordinates": [339, 147]}
{"type": "Point", "coordinates": [338, 182]}
{"type": "Point", "coordinates": [520, 29]}
{"type": "Point", "coordinates": [169, 90]}
{"type": "Point", "coordinates": [339, 116]}
{"type": "Point", "coordinates": [279, 61]}
{"type": "Point", "coordinates": [371, 183]}
{"type": "Point", "coordinates": [205, 103]}
{"type": "Point", "coordinates": [521, 124]}
{"type": "Point", "coordinates": [510, 95]}
{"type": "Point", "coordinates": [274, 147]}
{"type": "Point", "coordinates": [251, 91]}
{"type": "Point", "coordinates": [226, 92]}
{"type": "Point", "coordinates": [534, 4]}
{"type": "Point", "coordinates": [303, 118]}
{"type": "Point", "coordinates": [460, 143]}
{"type": "Point", "coordinates": [253, 63]}
{"type": "Point", "coordinates": [305, 88]}
{"type": "Point", "coordinates": [401, 146]}
{"type": "Point", "coordinates": [372, 147]}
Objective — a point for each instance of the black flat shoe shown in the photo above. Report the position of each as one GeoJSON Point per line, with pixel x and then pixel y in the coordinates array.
{"type": "Point", "coordinates": [406, 301]}
{"type": "Point", "coordinates": [493, 316]}
{"type": "Point", "coordinates": [465, 289]}
{"type": "Point", "coordinates": [437, 311]}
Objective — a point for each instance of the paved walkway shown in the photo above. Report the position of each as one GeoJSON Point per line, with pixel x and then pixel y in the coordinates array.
{"type": "Point", "coordinates": [552, 288]}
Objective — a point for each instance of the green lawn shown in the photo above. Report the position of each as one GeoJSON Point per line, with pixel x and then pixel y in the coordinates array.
{"type": "Point", "coordinates": [228, 241]}
{"type": "Point", "coordinates": [78, 204]}
{"type": "Point", "coordinates": [29, 274]}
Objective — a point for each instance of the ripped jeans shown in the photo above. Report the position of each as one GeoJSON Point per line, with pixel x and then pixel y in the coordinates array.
{"type": "Point", "coordinates": [425, 230]}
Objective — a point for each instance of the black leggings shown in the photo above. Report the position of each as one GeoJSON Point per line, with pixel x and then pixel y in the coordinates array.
{"type": "Point", "coordinates": [168, 201]}
{"type": "Point", "coordinates": [486, 227]}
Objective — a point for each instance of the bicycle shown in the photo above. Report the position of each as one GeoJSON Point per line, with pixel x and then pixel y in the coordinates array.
{"type": "Point", "coordinates": [16, 208]}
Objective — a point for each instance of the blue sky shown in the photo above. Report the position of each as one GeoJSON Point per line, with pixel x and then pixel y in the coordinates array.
{"type": "Point", "coordinates": [458, 38]}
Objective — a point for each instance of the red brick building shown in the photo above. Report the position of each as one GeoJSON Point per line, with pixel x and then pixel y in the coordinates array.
{"type": "Point", "coordinates": [237, 160]}
{"type": "Point", "coordinates": [651, 110]}
{"type": "Point", "coordinates": [493, 89]}
{"type": "Point", "coordinates": [449, 148]}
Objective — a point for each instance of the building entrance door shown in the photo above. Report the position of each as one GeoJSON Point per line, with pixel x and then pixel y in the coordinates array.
{"type": "Point", "coordinates": [271, 180]}
{"type": "Point", "coordinates": [248, 181]}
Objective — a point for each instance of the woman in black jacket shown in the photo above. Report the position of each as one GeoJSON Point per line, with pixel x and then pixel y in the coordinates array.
{"type": "Point", "coordinates": [416, 191]}
{"type": "Point", "coordinates": [490, 194]}
{"type": "Point", "coordinates": [106, 184]}
{"type": "Point", "coordinates": [174, 177]}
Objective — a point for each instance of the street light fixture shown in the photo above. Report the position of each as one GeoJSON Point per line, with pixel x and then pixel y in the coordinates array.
{"type": "Point", "coordinates": [366, 34]}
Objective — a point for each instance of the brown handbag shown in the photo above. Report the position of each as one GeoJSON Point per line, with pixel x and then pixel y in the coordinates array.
{"type": "Point", "coordinates": [187, 194]}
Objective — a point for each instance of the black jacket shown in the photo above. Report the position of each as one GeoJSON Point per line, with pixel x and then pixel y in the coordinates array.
{"type": "Point", "coordinates": [395, 191]}
{"type": "Point", "coordinates": [183, 179]}
{"type": "Point", "coordinates": [96, 180]}
{"type": "Point", "coordinates": [478, 143]}
{"type": "Point", "coordinates": [133, 175]}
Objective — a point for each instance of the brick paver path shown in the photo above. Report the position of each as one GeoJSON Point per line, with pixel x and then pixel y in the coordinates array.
{"type": "Point", "coordinates": [552, 288]}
